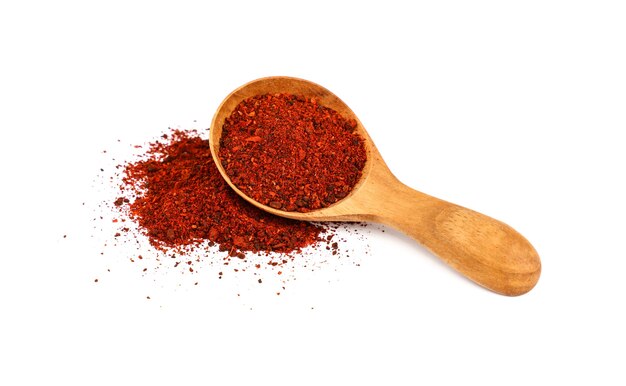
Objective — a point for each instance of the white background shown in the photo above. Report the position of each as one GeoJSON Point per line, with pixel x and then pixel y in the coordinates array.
{"type": "Point", "coordinates": [514, 109]}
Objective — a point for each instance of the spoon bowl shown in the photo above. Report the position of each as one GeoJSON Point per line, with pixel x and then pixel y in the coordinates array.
{"type": "Point", "coordinates": [485, 250]}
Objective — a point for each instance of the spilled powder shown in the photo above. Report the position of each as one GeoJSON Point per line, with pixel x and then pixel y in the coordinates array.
{"type": "Point", "coordinates": [174, 208]}
{"type": "Point", "coordinates": [181, 199]}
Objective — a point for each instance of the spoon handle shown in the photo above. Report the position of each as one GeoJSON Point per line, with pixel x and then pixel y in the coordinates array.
{"type": "Point", "coordinates": [483, 249]}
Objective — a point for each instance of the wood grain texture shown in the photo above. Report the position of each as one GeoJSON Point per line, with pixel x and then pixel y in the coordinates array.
{"type": "Point", "coordinates": [483, 249]}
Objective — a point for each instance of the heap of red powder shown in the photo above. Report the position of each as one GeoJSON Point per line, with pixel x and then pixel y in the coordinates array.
{"type": "Point", "coordinates": [291, 153]}
{"type": "Point", "coordinates": [178, 198]}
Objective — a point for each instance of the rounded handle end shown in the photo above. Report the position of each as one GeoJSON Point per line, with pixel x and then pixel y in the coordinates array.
{"type": "Point", "coordinates": [485, 250]}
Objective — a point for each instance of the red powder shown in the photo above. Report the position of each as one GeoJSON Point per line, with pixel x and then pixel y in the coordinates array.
{"type": "Point", "coordinates": [180, 199]}
{"type": "Point", "coordinates": [290, 153]}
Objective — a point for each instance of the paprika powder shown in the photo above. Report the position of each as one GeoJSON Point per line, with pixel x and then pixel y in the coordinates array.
{"type": "Point", "coordinates": [290, 153]}
{"type": "Point", "coordinates": [179, 198]}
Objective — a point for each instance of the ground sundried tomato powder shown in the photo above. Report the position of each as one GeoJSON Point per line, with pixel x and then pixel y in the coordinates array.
{"type": "Point", "coordinates": [290, 153]}
{"type": "Point", "coordinates": [179, 198]}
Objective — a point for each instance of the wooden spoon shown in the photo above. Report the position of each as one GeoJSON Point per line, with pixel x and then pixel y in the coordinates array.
{"type": "Point", "coordinates": [485, 250]}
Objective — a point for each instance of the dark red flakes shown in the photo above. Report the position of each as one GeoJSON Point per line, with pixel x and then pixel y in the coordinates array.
{"type": "Point", "coordinates": [290, 153]}
{"type": "Point", "coordinates": [181, 199]}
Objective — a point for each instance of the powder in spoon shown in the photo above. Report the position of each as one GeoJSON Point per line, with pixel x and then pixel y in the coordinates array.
{"type": "Point", "coordinates": [291, 153]}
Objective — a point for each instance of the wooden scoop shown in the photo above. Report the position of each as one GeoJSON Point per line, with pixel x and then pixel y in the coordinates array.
{"type": "Point", "coordinates": [485, 250]}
